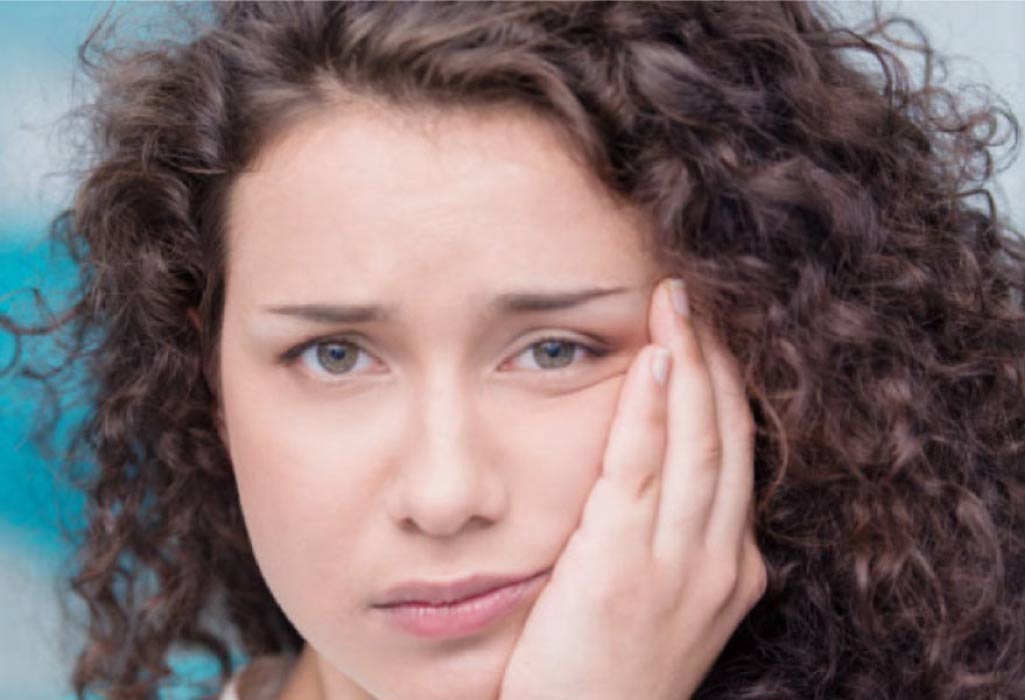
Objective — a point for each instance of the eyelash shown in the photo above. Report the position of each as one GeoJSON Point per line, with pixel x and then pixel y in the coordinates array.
{"type": "Point", "coordinates": [591, 352]}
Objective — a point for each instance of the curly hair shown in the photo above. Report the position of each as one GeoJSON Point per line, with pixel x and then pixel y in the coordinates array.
{"type": "Point", "coordinates": [819, 209]}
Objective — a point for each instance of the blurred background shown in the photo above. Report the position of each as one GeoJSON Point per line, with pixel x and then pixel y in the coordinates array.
{"type": "Point", "coordinates": [38, 85]}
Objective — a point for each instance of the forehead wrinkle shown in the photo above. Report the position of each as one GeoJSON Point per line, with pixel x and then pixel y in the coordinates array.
{"type": "Point", "coordinates": [506, 304]}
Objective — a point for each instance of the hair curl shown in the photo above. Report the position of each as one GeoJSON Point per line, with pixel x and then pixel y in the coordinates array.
{"type": "Point", "coordinates": [818, 209]}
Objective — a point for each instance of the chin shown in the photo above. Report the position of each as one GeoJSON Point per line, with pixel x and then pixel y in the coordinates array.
{"type": "Point", "coordinates": [468, 668]}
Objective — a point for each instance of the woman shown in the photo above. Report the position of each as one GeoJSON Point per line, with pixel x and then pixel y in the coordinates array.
{"type": "Point", "coordinates": [333, 258]}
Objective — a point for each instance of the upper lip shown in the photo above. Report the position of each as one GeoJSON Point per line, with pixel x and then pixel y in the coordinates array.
{"type": "Point", "coordinates": [434, 593]}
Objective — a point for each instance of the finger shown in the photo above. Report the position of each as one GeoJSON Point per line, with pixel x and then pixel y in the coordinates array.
{"type": "Point", "coordinates": [621, 506]}
{"type": "Point", "coordinates": [734, 492]}
{"type": "Point", "coordinates": [752, 579]}
{"type": "Point", "coordinates": [691, 469]}
{"type": "Point", "coordinates": [748, 589]}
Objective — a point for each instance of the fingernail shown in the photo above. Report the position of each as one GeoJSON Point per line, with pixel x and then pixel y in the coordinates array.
{"type": "Point", "coordinates": [660, 365]}
{"type": "Point", "coordinates": [678, 295]}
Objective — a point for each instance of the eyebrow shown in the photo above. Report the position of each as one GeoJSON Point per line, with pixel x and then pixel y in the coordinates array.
{"type": "Point", "coordinates": [511, 303]}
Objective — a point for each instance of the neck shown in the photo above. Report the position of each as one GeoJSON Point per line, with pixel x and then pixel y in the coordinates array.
{"type": "Point", "coordinates": [304, 681]}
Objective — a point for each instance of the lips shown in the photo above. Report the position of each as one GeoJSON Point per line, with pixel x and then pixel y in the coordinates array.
{"type": "Point", "coordinates": [441, 592]}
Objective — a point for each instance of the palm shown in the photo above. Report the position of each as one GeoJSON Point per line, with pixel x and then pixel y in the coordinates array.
{"type": "Point", "coordinates": [664, 564]}
{"type": "Point", "coordinates": [551, 647]}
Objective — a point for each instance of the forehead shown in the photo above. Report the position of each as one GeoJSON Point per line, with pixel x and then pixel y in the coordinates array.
{"type": "Point", "coordinates": [458, 202]}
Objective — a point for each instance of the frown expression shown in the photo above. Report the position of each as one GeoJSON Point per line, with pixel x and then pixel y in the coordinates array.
{"type": "Point", "coordinates": [457, 426]}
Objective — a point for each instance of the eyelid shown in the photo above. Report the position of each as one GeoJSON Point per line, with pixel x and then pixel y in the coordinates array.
{"type": "Point", "coordinates": [593, 348]}
{"type": "Point", "coordinates": [295, 351]}
{"type": "Point", "coordinates": [294, 354]}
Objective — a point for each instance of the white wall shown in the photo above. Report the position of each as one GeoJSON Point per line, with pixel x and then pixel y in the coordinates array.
{"type": "Point", "coordinates": [986, 44]}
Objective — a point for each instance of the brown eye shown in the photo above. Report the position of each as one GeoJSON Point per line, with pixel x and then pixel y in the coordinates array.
{"type": "Point", "coordinates": [337, 357]}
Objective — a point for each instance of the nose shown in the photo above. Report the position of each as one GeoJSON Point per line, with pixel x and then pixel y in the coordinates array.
{"type": "Point", "coordinates": [447, 480]}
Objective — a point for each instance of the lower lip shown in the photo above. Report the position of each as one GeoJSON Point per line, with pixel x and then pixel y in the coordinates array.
{"type": "Point", "coordinates": [466, 616]}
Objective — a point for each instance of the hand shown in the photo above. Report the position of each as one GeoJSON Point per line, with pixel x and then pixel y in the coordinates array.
{"type": "Point", "coordinates": [664, 564]}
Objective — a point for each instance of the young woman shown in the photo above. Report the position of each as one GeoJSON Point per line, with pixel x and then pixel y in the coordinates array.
{"type": "Point", "coordinates": [525, 351]}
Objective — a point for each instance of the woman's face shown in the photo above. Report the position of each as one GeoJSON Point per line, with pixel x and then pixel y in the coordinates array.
{"type": "Point", "coordinates": [432, 434]}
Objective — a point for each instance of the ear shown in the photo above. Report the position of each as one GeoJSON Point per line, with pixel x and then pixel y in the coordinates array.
{"type": "Point", "coordinates": [193, 315]}
{"type": "Point", "coordinates": [215, 408]}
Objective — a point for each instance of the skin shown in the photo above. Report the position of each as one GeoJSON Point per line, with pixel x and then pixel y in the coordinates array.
{"type": "Point", "coordinates": [447, 449]}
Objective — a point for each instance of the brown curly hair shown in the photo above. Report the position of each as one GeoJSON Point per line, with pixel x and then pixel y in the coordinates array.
{"type": "Point", "coordinates": [819, 210]}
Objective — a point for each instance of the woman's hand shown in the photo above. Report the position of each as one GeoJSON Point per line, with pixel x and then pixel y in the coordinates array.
{"type": "Point", "coordinates": [664, 564]}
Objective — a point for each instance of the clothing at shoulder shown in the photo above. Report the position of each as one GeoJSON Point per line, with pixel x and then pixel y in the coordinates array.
{"type": "Point", "coordinates": [262, 679]}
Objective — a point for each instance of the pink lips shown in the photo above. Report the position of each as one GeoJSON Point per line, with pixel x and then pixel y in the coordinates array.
{"type": "Point", "coordinates": [435, 611]}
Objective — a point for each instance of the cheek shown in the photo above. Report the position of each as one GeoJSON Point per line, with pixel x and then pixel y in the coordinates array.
{"type": "Point", "coordinates": [310, 477]}
{"type": "Point", "coordinates": [556, 447]}
{"type": "Point", "coordinates": [303, 498]}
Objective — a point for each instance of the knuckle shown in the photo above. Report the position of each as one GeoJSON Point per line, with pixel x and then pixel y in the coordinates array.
{"type": "Point", "coordinates": [759, 581]}
{"type": "Point", "coordinates": [728, 578]}
{"type": "Point", "coordinates": [645, 485]}
{"type": "Point", "coordinates": [668, 596]}
{"type": "Point", "coordinates": [616, 597]}
{"type": "Point", "coordinates": [709, 447]}
{"type": "Point", "coordinates": [720, 583]}
{"type": "Point", "coordinates": [654, 417]}
{"type": "Point", "coordinates": [742, 422]}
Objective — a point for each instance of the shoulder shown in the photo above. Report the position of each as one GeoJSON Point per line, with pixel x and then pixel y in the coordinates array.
{"type": "Point", "coordinates": [261, 679]}
{"type": "Point", "coordinates": [229, 692]}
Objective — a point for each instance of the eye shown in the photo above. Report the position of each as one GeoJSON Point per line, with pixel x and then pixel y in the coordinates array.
{"type": "Point", "coordinates": [338, 357]}
{"type": "Point", "coordinates": [559, 353]}
{"type": "Point", "coordinates": [331, 357]}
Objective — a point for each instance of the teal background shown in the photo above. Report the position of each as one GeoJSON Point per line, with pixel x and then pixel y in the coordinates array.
{"type": "Point", "coordinates": [37, 58]}
{"type": "Point", "coordinates": [37, 85]}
